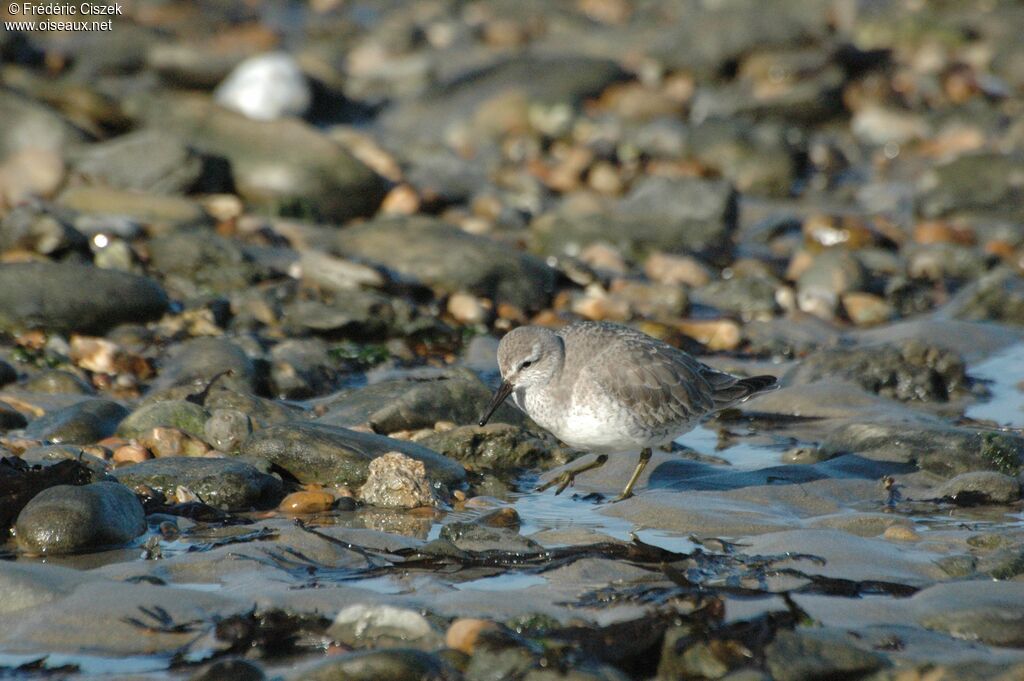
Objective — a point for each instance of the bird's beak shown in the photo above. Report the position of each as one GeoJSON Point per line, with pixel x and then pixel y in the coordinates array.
{"type": "Point", "coordinates": [500, 395]}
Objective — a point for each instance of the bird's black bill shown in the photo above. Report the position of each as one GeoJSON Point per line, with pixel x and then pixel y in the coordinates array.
{"type": "Point", "coordinates": [500, 395]}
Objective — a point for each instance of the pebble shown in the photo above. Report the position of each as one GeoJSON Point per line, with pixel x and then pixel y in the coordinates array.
{"type": "Point", "coordinates": [365, 624]}
{"type": "Point", "coordinates": [84, 422]}
{"type": "Point", "coordinates": [95, 354]}
{"type": "Point", "coordinates": [464, 632]}
{"type": "Point", "coordinates": [30, 173]}
{"type": "Point", "coordinates": [171, 442]}
{"type": "Point", "coordinates": [227, 429]}
{"type": "Point", "coordinates": [129, 454]}
{"type": "Point", "coordinates": [866, 309]}
{"type": "Point", "coordinates": [666, 268]}
{"type": "Point", "coordinates": [402, 200]}
{"type": "Point", "coordinates": [467, 309]}
{"type": "Point", "coordinates": [396, 481]}
{"type": "Point", "coordinates": [266, 87]}
{"type": "Point", "coordinates": [307, 501]}
{"type": "Point", "coordinates": [180, 414]}
{"type": "Point", "coordinates": [601, 256]}
{"type": "Point", "coordinates": [716, 334]}
{"type": "Point", "coordinates": [900, 533]}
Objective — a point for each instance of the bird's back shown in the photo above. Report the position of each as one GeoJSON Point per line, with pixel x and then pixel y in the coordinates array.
{"type": "Point", "coordinates": [616, 379]}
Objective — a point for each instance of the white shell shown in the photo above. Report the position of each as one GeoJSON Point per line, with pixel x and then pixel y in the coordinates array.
{"type": "Point", "coordinates": [266, 87]}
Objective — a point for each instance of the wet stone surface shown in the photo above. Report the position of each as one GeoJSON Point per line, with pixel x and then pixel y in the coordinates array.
{"type": "Point", "coordinates": [222, 483]}
{"type": "Point", "coordinates": [255, 265]}
{"type": "Point", "coordinates": [65, 519]}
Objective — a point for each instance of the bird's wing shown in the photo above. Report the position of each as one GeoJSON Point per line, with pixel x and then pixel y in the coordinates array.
{"type": "Point", "coordinates": [657, 383]}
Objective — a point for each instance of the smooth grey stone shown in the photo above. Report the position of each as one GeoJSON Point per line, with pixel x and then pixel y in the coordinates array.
{"type": "Point", "coordinates": [316, 452]}
{"type": "Point", "coordinates": [160, 211]}
{"type": "Point", "coordinates": [301, 368]}
{"type": "Point", "coordinates": [748, 296]}
{"type": "Point", "coordinates": [908, 371]}
{"type": "Point", "coordinates": [714, 35]}
{"type": "Point", "coordinates": [279, 165]}
{"type": "Point", "coordinates": [67, 519]}
{"type": "Point", "coordinates": [944, 450]}
{"type": "Point", "coordinates": [146, 160]}
{"type": "Point", "coordinates": [195, 362]}
{"type": "Point", "coordinates": [440, 255]}
{"type": "Point", "coordinates": [410, 404]}
{"type": "Point", "coordinates": [815, 96]}
{"type": "Point", "coordinates": [206, 260]}
{"type": "Point", "coordinates": [186, 416]}
{"type": "Point", "coordinates": [29, 124]}
{"type": "Point", "coordinates": [57, 382]}
{"type": "Point", "coordinates": [787, 337]}
{"type": "Point", "coordinates": [360, 314]}
{"type": "Point", "coordinates": [52, 296]}
{"type": "Point", "coordinates": [806, 654]}
{"type": "Point", "coordinates": [81, 423]}
{"type": "Point", "coordinates": [830, 274]}
{"type": "Point", "coordinates": [984, 487]}
{"type": "Point", "coordinates": [228, 484]}
{"type": "Point", "coordinates": [977, 181]}
{"type": "Point", "coordinates": [751, 160]}
{"type": "Point", "coordinates": [668, 214]}
{"type": "Point", "coordinates": [547, 80]}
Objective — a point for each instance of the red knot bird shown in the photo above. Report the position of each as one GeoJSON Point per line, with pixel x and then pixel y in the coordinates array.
{"type": "Point", "coordinates": [607, 389]}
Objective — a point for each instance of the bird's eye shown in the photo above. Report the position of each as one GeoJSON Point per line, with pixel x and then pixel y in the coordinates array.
{"type": "Point", "coordinates": [526, 364]}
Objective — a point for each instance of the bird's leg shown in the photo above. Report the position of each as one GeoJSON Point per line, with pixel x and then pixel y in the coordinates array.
{"type": "Point", "coordinates": [568, 477]}
{"type": "Point", "coordinates": [627, 492]}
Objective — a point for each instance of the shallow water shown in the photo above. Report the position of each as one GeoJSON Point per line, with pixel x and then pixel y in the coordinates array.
{"type": "Point", "coordinates": [1003, 373]}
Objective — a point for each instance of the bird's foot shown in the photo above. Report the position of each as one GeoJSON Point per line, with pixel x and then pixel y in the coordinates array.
{"type": "Point", "coordinates": [568, 478]}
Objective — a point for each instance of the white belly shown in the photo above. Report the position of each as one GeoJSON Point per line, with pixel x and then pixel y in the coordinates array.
{"type": "Point", "coordinates": [603, 428]}
{"type": "Point", "coordinates": [609, 431]}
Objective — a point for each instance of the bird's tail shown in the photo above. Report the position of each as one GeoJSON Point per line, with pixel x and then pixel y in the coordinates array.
{"type": "Point", "coordinates": [737, 390]}
{"type": "Point", "coordinates": [758, 384]}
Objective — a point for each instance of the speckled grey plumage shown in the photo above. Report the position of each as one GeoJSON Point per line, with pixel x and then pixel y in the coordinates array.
{"type": "Point", "coordinates": [607, 388]}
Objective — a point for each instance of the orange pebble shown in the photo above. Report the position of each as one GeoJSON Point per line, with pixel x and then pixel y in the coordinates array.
{"type": "Point", "coordinates": [309, 501]}
{"type": "Point", "coordinates": [464, 632]}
